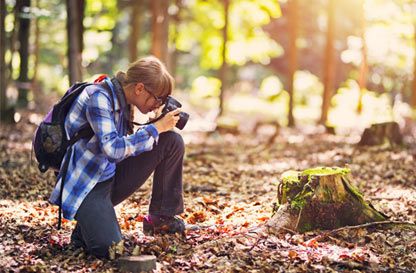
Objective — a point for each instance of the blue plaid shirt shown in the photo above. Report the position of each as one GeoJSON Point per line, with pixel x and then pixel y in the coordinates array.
{"type": "Point", "coordinates": [90, 159]}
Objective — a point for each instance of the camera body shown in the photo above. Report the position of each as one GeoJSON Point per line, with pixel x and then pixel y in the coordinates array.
{"type": "Point", "coordinates": [172, 104]}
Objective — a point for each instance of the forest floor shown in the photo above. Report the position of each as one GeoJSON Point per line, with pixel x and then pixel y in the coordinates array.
{"type": "Point", "coordinates": [230, 184]}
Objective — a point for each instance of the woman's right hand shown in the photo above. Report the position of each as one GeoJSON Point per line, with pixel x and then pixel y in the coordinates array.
{"type": "Point", "coordinates": [168, 121]}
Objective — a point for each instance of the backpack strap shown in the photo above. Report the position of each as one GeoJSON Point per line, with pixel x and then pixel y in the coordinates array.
{"type": "Point", "coordinates": [64, 172]}
{"type": "Point", "coordinates": [110, 93]}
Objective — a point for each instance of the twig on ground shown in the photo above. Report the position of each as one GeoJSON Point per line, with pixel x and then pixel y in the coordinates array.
{"type": "Point", "coordinates": [364, 226]}
{"type": "Point", "coordinates": [384, 198]}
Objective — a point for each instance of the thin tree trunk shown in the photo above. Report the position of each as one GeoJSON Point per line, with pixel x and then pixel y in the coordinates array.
{"type": "Point", "coordinates": [3, 78]}
{"type": "Point", "coordinates": [362, 80]}
{"type": "Point", "coordinates": [35, 83]}
{"type": "Point", "coordinates": [80, 25]}
{"type": "Point", "coordinates": [23, 36]}
{"type": "Point", "coordinates": [224, 67]}
{"type": "Point", "coordinates": [329, 67]}
{"type": "Point", "coordinates": [175, 53]}
{"type": "Point", "coordinates": [413, 94]}
{"type": "Point", "coordinates": [12, 41]}
{"type": "Point", "coordinates": [293, 54]}
{"type": "Point", "coordinates": [160, 29]}
{"type": "Point", "coordinates": [74, 43]}
{"type": "Point", "coordinates": [135, 28]}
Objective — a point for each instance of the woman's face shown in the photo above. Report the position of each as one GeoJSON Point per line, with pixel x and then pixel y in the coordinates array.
{"type": "Point", "coordinates": [145, 100]}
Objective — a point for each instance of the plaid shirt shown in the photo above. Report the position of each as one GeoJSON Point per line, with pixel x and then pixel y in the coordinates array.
{"type": "Point", "coordinates": [109, 145]}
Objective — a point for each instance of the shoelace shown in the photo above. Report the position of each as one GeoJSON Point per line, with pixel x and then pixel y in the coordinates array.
{"type": "Point", "coordinates": [149, 218]}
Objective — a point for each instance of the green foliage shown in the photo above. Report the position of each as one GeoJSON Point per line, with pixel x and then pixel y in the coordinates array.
{"type": "Point", "coordinates": [53, 47]}
{"type": "Point", "coordinates": [247, 41]}
{"type": "Point", "coordinates": [101, 15]}
{"type": "Point", "coordinates": [98, 42]}
{"type": "Point", "coordinates": [376, 107]}
{"type": "Point", "coordinates": [389, 38]}
{"type": "Point", "coordinates": [205, 92]}
{"type": "Point", "coordinates": [271, 88]}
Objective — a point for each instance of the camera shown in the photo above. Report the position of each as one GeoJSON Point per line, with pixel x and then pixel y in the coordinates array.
{"type": "Point", "coordinates": [172, 104]}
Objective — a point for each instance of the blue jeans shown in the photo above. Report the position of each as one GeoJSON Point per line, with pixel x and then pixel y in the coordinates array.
{"type": "Point", "coordinates": [97, 227]}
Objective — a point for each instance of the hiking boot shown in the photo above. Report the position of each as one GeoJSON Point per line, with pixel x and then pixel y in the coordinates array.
{"type": "Point", "coordinates": [163, 225]}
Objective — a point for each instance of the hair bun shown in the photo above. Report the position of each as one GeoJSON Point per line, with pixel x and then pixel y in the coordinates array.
{"type": "Point", "coordinates": [121, 76]}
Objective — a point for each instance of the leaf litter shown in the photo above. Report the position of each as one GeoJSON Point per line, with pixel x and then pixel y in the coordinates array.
{"type": "Point", "coordinates": [229, 189]}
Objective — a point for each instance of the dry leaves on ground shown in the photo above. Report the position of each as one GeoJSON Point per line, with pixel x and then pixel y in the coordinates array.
{"type": "Point", "coordinates": [230, 185]}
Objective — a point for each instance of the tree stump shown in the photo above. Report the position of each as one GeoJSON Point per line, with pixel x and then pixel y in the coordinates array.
{"type": "Point", "coordinates": [321, 198]}
{"type": "Point", "coordinates": [143, 263]}
{"type": "Point", "coordinates": [227, 125]}
{"type": "Point", "coordinates": [382, 133]}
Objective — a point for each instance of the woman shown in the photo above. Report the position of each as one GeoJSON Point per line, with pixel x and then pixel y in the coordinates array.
{"type": "Point", "coordinates": [106, 169]}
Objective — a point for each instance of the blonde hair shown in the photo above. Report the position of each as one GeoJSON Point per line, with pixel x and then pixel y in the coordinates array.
{"type": "Point", "coordinates": [151, 72]}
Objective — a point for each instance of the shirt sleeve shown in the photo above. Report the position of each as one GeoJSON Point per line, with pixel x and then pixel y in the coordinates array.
{"type": "Point", "coordinates": [113, 146]}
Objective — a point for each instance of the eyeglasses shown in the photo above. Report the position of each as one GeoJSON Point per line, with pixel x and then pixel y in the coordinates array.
{"type": "Point", "coordinates": [158, 100]}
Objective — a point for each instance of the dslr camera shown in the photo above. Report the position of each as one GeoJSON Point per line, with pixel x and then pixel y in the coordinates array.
{"type": "Point", "coordinates": [172, 104]}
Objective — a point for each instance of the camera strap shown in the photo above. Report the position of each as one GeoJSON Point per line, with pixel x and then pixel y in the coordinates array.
{"type": "Point", "coordinates": [149, 122]}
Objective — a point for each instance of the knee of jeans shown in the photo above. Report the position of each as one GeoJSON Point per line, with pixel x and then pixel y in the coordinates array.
{"type": "Point", "coordinates": [100, 250]}
{"type": "Point", "coordinates": [176, 140]}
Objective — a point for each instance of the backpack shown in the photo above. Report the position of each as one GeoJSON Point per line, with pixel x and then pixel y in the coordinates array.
{"type": "Point", "coordinates": [50, 141]}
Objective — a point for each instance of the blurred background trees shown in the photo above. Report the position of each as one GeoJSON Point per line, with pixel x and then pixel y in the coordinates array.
{"type": "Point", "coordinates": [339, 63]}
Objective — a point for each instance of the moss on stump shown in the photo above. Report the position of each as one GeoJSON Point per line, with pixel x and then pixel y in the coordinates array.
{"type": "Point", "coordinates": [321, 198]}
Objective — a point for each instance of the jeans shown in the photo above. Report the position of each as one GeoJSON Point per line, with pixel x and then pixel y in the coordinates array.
{"type": "Point", "coordinates": [97, 227]}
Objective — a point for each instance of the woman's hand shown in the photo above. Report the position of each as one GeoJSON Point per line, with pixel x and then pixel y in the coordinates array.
{"type": "Point", "coordinates": [168, 121]}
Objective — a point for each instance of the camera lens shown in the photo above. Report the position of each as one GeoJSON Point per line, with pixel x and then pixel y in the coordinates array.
{"type": "Point", "coordinates": [172, 104]}
{"type": "Point", "coordinates": [183, 119]}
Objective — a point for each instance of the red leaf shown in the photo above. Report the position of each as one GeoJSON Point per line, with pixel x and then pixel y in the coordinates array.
{"type": "Point", "coordinates": [292, 254]}
{"type": "Point", "coordinates": [265, 218]}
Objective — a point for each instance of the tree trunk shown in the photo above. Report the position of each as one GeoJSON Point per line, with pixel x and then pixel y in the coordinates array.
{"type": "Point", "coordinates": [329, 67]}
{"type": "Point", "coordinates": [381, 134]}
{"type": "Point", "coordinates": [160, 29]}
{"type": "Point", "coordinates": [176, 18]}
{"type": "Point", "coordinates": [12, 41]}
{"type": "Point", "coordinates": [321, 198]}
{"type": "Point", "coordinates": [293, 54]}
{"type": "Point", "coordinates": [3, 78]}
{"type": "Point", "coordinates": [362, 80]}
{"type": "Point", "coordinates": [413, 94]}
{"type": "Point", "coordinates": [224, 68]}
{"type": "Point", "coordinates": [35, 83]}
{"type": "Point", "coordinates": [74, 26]}
{"type": "Point", "coordinates": [80, 26]}
{"type": "Point", "coordinates": [135, 28]}
{"type": "Point", "coordinates": [23, 37]}
{"type": "Point", "coordinates": [6, 113]}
